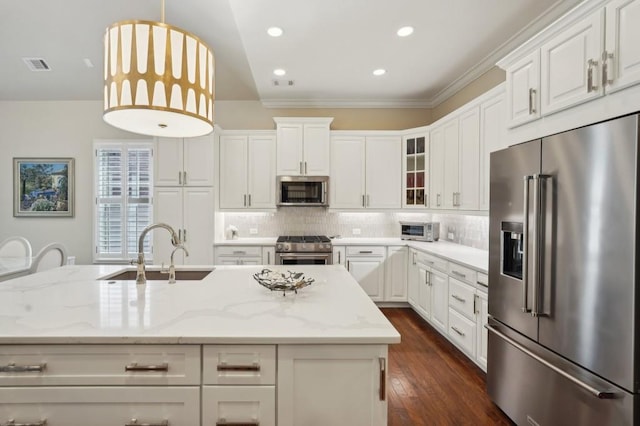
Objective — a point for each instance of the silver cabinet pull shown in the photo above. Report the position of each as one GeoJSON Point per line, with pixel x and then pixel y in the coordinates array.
{"type": "Point", "coordinates": [383, 378]}
{"type": "Point", "coordinates": [13, 368]}
{"type": "Point", "coordinates": [239, 252]}
{"type": "Point", "coordinates": [235, 367]}
{"type": "Point", "coordinates": [348, 266]}
{"type": "Point", "coordinates": [459, 274]}
{"type": "Point", "coordinates": [458, 298]}
{"type": "Point", "coordinates": [184, 235]}
{"type": "Point", "coordinates": [179, 178]}
{"type": "Point", "coordinates": [607, 71]}
{"type": "Point", "coordinates": [532, 102]}
{"type": "Point", "coordinates": [363, 200]}
{"type": "Point", "coordinates": [135, 422]}
{"type": "Point", "coordinates": [223, 422]}
{"type": "Point", "coordinates": [591, 64]}
{"type": "Point", "coordinates": [305, 167]}
{"type": "Point", "coordinates": [593, 391]}
{"type": "Point", "coordinates": [184, 177]}
{"type": "Point", "coordinates": [426, 199]}
{"type": "Point", "coordinates": [414, 257]}
{"type": "Point", "coordinates": [475, 307]}
{"type": "Point", "coordinates": [134, 366]}
{"type": "Point", "coordinates": [268, 258]}
{"type": "Point", "coordinates": [365, 251]}
{"type": "Point", "coordinates": [438, 200]}
{"type": "Point", "coordinates": [301, 167]}
{"type": "Point", "coordinates": [180, 235]}
{"type": "Point", "coordinates": [249, 200]}
{"type": "Point", "coordinates": [525, 246]}
{"type": "Point", "coordinates": [12, 422]}
{"type": "Point", "coordinates": [454, 328]}
{"type": "Point", "coordinates": [339, 256]}
{"type": "Point", "coordinates": [245, 200]}
{"type": "Point", "coordinates": [427, 277]}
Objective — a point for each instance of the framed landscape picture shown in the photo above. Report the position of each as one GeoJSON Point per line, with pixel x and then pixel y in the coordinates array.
{"type": "Point", "coordinates": [43, 187]}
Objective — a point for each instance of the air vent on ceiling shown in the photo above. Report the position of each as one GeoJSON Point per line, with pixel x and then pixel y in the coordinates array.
{"type": "Point", "coordinates": [36, 64]}
{"type": "Point", "coordinates": [283, 83]}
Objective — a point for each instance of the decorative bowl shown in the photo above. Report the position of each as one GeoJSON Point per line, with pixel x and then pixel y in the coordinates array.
{"type": "Point", "coordinates": [282, 281]}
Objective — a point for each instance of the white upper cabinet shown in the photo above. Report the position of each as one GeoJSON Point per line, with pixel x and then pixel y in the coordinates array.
{"type": "Point", "coordinates": [468, 197]}
{"type": "Point", "coordinates": [383, 177]}
{"type": "Point", "coordinates": [347, 183]}
{"type": "Point", "coordinates": [451, 166]}
{"type": "Point", "coordinates": [622, 56]}
{"type": "Point", "coordinates": [184, 162]}
{"type": "Point", "coordinates": [523, 90]}
{"type": "Point", "coordinates": [570, 65]}
{"type": "Point", "coordinates": [233, 171]}
{"type": "Point", "coordinates": [303, 146]}
{"type": "Point", "coordinates": [493, 137]}
{"type": "Point", "coordinates": [416, 170]}
{"type": "Point", "coordinates": [437, 167]}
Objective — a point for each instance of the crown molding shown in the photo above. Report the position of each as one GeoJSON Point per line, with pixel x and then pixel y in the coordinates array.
{"type": "Point", "coordinates": [344, 103]}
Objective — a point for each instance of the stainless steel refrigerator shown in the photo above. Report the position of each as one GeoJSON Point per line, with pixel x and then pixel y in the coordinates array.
{"type": "Point", "coordinates": [564, 298]}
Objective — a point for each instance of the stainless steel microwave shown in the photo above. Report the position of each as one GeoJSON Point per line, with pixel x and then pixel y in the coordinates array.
{"type": "Point", "coordinates": [420, 231]}
{"type": "Point", "coordinates": [312, 191]}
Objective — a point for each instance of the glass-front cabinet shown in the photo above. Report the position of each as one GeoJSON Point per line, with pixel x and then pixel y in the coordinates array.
{"type": "Point", "coordinates": [415, 174]}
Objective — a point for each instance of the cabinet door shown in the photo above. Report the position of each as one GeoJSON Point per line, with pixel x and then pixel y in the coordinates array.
{"type": "Point", "coordinates": [197, 231]}
{"type": "Point", "coordinates": [437, 168]}
{"type": "Point", "coordinates": [289, 150]}
{"type": "Point", "coordinates": [451, 186]}
{"type": "Point", "coordinates": [168, 162]}
{"type": "Point", "coordinates": [347, 183]}
{"type": "Point", "coordinates": [233, 172]}
{"type": "Point", "coordinates": [332, 385]}
{"type": "Point", "coordinates": [262, 172]}
{"type": "Point", "coordinates": [439, 300]}
{"type": "Point", "coordinates": [339, 256]}
{"type": "Point", "coordinates": [269, 255]}
{"type": "Point", "coordinates": [469, 173]}
{"type": "Point", "coordinates": [369, 272]}
{"type": "Point", "coordinates": [570, 65]}
{"type": "Point", "coordinates": [413, 280]}
{"type": "Point", "coordinates": [416, 171]}
{"type": "Point", "coordinates": [239, 405]}
{"type": "Point", "coordinates": [493, 137]}
{"type": "Point", "coordinates": [316, 149]}
{"type": "Point", "coordinates": [623, 33]}
{"type": "Point", "coordinates": [395, 286]}
{"type": "Point", "coordinates": [167, 208]}
{"type": "Point", "coordinates": [384, 168]}
{"type": "Point", "coordinates": [482, 316]}
{"type": "Point", "coordinates": [523, 90]}
{"type": "Point", "coordinates": [424, 291]}
{"type": "Point", "coordinates": [198, 161]}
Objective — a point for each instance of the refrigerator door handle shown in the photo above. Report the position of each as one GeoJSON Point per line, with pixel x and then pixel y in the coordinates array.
{"type": "Point", "coordinates": [601, 394]}
{"type": "Point", "coordinates": [536, 304]}
{"type": "Point", "coordinates": [525, 246]}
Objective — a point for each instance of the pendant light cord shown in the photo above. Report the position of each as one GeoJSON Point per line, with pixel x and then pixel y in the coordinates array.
{"type": "Point", "coordinates": [162, 13]}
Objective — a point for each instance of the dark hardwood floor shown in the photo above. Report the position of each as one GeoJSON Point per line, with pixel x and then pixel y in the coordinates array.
{"type": "Point", "coordinates": [430, 382]}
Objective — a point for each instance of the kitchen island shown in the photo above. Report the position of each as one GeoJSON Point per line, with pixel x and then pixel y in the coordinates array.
{"type": "Point", "coordinates": [216, 351]}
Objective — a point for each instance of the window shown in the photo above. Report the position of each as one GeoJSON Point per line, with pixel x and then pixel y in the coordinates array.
{"type": "Point", "coordinates": [123, 198]}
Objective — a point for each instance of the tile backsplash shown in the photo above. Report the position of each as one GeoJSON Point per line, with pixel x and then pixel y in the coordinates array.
{"type": "Point", "coordinates": [471, 231]}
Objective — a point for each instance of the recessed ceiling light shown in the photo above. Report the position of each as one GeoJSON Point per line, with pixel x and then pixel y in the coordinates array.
{"type": "Point", "coordinates": [275, 31]}
{"type": "Point", "coordinates": [405, 31]}
{"type": "Point", "coordinates": [379, 72]}
{"type": "Point", "coordinates": [279, 72]}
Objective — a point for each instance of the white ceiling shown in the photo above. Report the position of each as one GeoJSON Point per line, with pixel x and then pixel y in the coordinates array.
{"type": "Point", "coordinates": [329, 48]}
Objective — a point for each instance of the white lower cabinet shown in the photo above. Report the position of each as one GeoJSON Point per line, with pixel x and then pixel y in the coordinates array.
{"type": "Point", "coordinates": [395, 285]}
{"type": "Point", "coordinates": [100, 406]}
{"type": "Point", "coordinates": [238, 255]}
{"type": "Point", "coordinates": [482, 317]}
{"type": "Point", "coordinates": [366, 264]}
{"type": "Point", "coordinates": [413, 279]}
{"type": "Point", "coordinates": [462, 331]}
{"type": "Point", "coordinates": [332, 385]}
{"type": "Point", "coordinates": [339, 255]}
{"type": "Point", "coordinates": [239, 405]}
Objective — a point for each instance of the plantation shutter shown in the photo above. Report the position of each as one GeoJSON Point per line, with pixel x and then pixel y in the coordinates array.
{"type": "Point", "coordinates": [124, 207]}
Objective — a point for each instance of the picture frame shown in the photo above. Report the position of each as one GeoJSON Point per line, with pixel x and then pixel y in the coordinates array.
{"type": "Point", "coordinates": [43, 187]}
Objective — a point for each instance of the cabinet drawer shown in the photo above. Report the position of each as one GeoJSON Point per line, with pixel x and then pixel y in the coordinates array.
{"type": "Point", "coordinates": [239, 251]}
{"type": "Point", "coordinates": [246, 405]}
{"type": "Point", "coordinates": [239, 365]}
{"type": "Point", "coordinates": [81, 406]}
{"type": "Point", "coordinates": [462, 331]}
{"type": "Point", "coordinates": [99, 365]}
{"type": "Point", "coordinates": [432, 261]}
{"type": "Point", "coordinates": [482, 279]}
{"type": "Point", "coordinates": [461, 298]}
{"type": "Point", "coordinates": [366, 251]}
{"type": "Point", "coordinates": [462, 273]}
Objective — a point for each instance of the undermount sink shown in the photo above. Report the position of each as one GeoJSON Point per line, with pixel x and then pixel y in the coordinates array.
{"type": "Point", "coordinates": [156, 275]}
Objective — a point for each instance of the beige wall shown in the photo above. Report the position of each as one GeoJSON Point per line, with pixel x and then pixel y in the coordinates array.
{"type": "Point", "coordinates": [486, 81]}
{"type": "Point", "coordinates": [251, 115]}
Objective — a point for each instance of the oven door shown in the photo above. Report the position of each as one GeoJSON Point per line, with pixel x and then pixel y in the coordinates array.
{"type": "Point", "coordinates": [304, 258]}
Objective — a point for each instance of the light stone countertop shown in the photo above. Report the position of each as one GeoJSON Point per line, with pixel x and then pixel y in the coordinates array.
{"type": "Point", "coordinates": [262, 241]}
{"type": "Point", "coordinates": [68, 305]}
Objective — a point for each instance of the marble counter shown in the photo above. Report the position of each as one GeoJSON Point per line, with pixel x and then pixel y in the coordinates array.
{"type": "Point", "coordinates": [12, 267]}
{"type": "Point", "coordinates": [70, 305]}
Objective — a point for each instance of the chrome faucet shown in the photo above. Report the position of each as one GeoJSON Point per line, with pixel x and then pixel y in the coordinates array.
{"type": "Point", "coordinates": [175, 241]}
{"type": "Point", "coordinates": [172, 266]}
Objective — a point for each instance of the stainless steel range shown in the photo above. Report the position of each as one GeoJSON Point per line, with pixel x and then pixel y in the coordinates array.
{"type": "Point", "coordinates": [304, 250]}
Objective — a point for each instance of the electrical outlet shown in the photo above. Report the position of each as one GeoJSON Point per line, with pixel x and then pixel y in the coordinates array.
{"type": "Point", "coordinates": [71, 260]}
{"type": "Point", "coordinates": [355, 231]}
{"type": "Point", "coordinates": [253, 231]}
{"type": "Point", "coordinates": [450, 236]}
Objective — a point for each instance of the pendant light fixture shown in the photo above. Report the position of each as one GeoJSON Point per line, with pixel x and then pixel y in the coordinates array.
{"type": "Point", "coordinates": [158, 80]}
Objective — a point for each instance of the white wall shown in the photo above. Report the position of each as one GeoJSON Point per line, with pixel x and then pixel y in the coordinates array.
{"type": "Point", "coordinates": [53, 129]}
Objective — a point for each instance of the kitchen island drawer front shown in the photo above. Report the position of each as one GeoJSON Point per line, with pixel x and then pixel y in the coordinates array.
{"type": "Point", "coordinates": [462, 273]}
{"type": "Point", "coordinates": [239, 405]}
{"type": "Point", "coordinates": [432, 261]}
{"type": "Point", "coordinates": [238, 251]}
{"type": "Point", "coordinates": [82, 406]}
{"type": "Point", "coordinates": [483, 280]}
{"type": "Point", "coordinates": [368, 251]}
{"type": "Point", "coordinates": [461, 298]}
{"type": "Point", "coordinates": [462, 331]}
{"type": "Point", "coordinates": [35, 365]}
{"type": "Point", "coordinates": [239, 365]}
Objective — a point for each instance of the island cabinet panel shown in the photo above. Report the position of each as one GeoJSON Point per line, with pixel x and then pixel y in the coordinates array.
{"type": "Point", "coordinates": [239, 365]}
{"type": "Point", "coordinates": [81, 406]}
{"type": "Point", "coordinates": [47, 365]}
{"type": "Point", "coordinates": [239, 405]}
{"type": "Point", "coordinates": [332, 385]}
